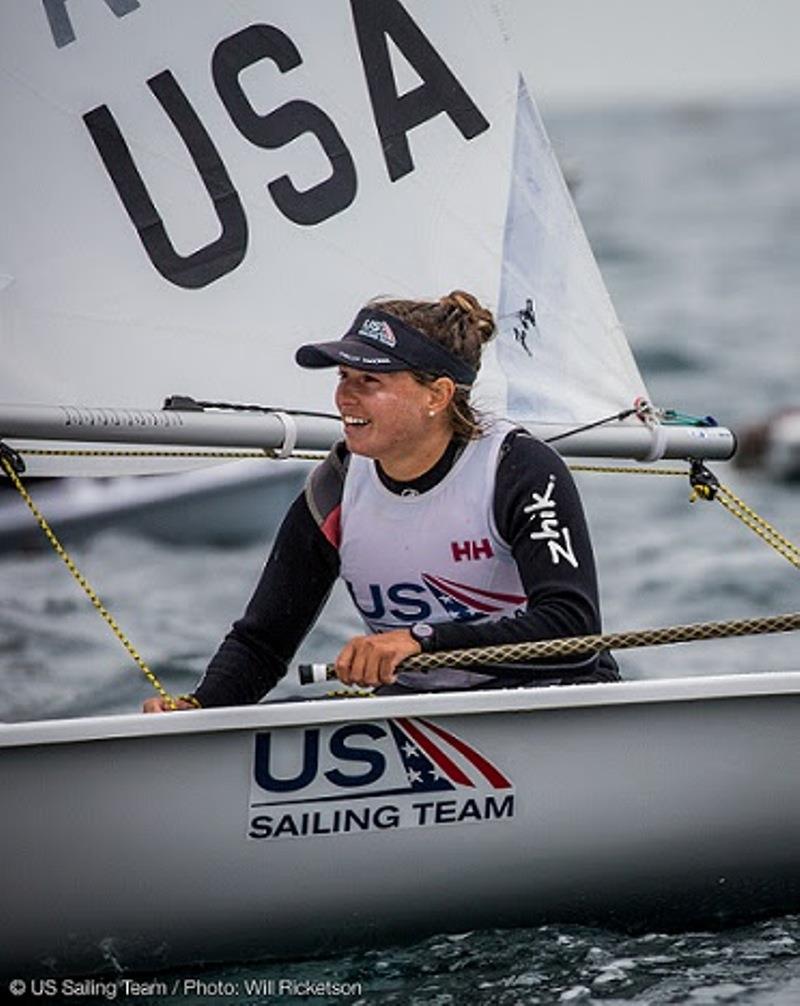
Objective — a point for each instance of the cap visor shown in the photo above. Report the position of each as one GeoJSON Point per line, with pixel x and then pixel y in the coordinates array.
{"type": "Point", "coordinates": [321, 355]}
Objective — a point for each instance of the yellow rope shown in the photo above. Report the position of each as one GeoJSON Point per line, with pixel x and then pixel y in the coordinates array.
{"type": "Point", "coordinates": [79, 577]}
{"type": "Point", "coordinates": [732, 503]}
{"type": "Point", "coordinates": [622, 470]}
{"type": "Point", "coordinates": [85, 585]}
{"type": "Point", "coordinates": [266, 454]}
{"type": "Point", "coordinates": [768, 534]}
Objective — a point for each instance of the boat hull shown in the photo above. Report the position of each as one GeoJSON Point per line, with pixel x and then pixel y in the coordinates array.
{"type": "Point", "coordinates": [142, 843]}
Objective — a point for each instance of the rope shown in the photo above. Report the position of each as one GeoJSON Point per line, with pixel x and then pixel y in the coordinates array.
{"type": "Point", "coordinates": [266, 454]}
{"type": "Point", "coordinates": [705, 485]}
{"type": "Point", "coordinates": [622, 470]}
{"type": "Point", "coordinates": [584, 645]}
{"type": "Point", "coordinates": [240, 407]}
{"type": "Point", "coordinates": [524, 653]}
{"type": "Point", "coordinates": [10, 470]}
{"type": "Point", "coordinates": [12, 464]}
{"type": "Point", "coordinates": [617, 417]}
{"type": "Point", "coordinates": [768, 534]}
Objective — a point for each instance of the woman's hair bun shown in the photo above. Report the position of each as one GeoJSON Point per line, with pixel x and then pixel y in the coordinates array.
{"type": "Point", "coordinates": [476, 316]}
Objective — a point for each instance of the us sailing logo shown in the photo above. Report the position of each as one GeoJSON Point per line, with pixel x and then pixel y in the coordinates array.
{"type": "Point", "coordinates": [373, 328]}
{"type": "Point", "coordinates": [371, 777]}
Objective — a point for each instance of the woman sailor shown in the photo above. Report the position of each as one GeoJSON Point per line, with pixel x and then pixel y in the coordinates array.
{"type": "Point", "coordinates": [449, 532]}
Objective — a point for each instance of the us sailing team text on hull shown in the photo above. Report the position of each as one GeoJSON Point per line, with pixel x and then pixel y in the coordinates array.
{"type": "Point", "coordinates": [296, 824]}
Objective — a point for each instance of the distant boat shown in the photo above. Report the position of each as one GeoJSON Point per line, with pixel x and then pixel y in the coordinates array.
{"type": "Point", "coordinates": [233, 504]}
{"type": "Point", "coordinates": [225, 190]}
{"type": "Point", "coordinates": [772, 445]}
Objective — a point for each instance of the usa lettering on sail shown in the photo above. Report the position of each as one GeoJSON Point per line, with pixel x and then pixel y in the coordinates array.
{"type": "Point", "coordinates": [396, 116]}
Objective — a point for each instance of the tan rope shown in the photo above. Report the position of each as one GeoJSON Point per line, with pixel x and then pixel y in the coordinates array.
{"type": "Point", "coordinates": [585, 645]}
{"type": "Point", "coordinates": [84, 583]}
{"type": "Point", "coordinates": [486, 657]}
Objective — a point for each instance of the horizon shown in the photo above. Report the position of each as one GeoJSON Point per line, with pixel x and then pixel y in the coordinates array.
{"type": "Point", "coordinates": [579, 52]}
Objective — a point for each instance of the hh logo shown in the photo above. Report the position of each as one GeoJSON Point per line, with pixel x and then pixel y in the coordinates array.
{"type": "Point", "coordinates": [471, 550]}
{"type": "Point", "coordinates": [404, 773]}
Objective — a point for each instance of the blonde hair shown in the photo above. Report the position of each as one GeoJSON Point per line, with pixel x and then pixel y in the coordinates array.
{"type": "Point", "coordinates": [462, 325]}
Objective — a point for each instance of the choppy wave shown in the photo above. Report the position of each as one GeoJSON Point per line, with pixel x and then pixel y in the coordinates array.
{"type": "Point", "coordinates": [756, 964]}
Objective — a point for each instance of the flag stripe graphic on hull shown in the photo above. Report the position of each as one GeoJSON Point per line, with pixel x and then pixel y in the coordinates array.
{"type": "Point", "coordinates": [438, 757]}
{"type": "Point", "coordinates": [487, 770]}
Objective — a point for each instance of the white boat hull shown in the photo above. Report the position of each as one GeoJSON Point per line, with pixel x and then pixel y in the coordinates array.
{"type": "Point", "coordinates": [141, 842]}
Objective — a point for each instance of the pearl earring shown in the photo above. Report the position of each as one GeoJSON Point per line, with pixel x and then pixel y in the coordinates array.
{"type": "Point", "coordinates": [431, 413]}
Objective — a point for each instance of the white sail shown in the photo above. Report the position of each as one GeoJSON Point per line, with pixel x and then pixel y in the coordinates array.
{"type": "Point", "coordinates": [309, 233]}
{"type": "Point", "coordinates": [568, 360]}
{"type": "Point", "coordinates": [187, 197]}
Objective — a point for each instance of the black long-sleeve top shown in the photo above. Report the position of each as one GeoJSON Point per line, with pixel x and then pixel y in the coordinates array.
{"type": "Point", "coordinates": [558, 575]}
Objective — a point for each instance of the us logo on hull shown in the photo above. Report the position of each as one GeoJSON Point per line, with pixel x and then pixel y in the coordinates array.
{"type": "Point", "coordinates": [371, 777]}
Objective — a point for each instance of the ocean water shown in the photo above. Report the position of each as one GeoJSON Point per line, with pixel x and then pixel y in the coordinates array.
{"type": "Point", "coordinates": [694, 215]}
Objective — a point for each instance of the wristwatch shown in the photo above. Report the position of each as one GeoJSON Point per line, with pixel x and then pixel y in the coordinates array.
{"type": "Point", "coordinates": [423, 633]}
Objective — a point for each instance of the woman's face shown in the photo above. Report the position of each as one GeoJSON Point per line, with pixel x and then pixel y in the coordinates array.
{"type": "Point", "coordinates": [387, 417]}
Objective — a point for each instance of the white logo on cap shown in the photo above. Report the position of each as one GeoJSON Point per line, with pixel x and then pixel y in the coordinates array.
{"type": "Point", "coordinates": [372, 328]}
{"type": "Point", "coordinates": [363, 359]}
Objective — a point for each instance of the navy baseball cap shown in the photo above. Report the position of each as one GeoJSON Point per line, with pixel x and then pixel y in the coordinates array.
{"type": "Point", "coordinates": [378, 341]}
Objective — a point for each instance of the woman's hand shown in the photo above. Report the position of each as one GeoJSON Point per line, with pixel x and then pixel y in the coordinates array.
{"type": "Point", "coordinates": [162, 705]}
{"type": "Point", "coordinates": [371, 660]}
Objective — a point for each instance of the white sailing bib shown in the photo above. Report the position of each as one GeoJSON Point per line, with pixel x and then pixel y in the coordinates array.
{"type": "Point", "coordinates": [434, 557]}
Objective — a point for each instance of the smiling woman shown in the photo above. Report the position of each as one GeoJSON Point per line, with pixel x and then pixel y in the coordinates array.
{"type": "Point", "coordinates": [448, 529]}
{"type": "Point", "coordinates": [395, 419]}
{"type": "Point", "coordinates": [417, 411]}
